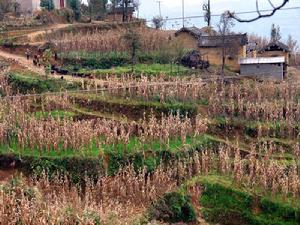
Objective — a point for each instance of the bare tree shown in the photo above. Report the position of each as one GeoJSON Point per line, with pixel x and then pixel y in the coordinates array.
{"type": "Point", "coordinates": [293, 45]}
{"type": "Point", "coordinates": [259, 12]}
{"type": "Point", "coordinates": [224, 28]}
{"type": "Point", "coordinates": [207, 13]}
{"type": "Point", "coordinates": [294, 48]}
{"type": "Point", "coordinates": [260, 41]}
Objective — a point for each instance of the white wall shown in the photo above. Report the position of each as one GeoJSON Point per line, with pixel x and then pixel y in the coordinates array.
{"type": "Point", "coordinates": [36, 5]}
{"type": "Point", "coordinates": [29, 5]}
{"type": "Point", "coordinates": [33, 5]}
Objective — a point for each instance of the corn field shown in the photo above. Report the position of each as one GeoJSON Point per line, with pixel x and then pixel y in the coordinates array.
{"type": "Point", "coordinates": [110, 40]}
{"type": "Point", "coordinates": [268, 160]}
{"type": "Point", "coordinates": [124, 197]}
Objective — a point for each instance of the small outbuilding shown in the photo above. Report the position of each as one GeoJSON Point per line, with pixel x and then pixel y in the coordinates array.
{"type": "Point", "coordinates": [264, 67]}
{"type": "Point", "coordinates": [276, 49]}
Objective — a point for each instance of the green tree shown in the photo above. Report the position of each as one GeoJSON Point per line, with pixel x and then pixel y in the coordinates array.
{"type": "Point", "coordinates": [275, 33]}
{"type": "Point", "coordinates": [47, 4]}
{"type": "Point", "coordinates": [75, 5]}
{"type": "Point", "coordinates": [97, 8]}
{"type": "Point", "coordinates": [46, 61]}
{"type": "Point", "coordinates": [5, 6]}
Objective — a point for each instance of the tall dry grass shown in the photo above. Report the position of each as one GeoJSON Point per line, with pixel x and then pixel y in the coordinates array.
{"type": "Point", "coordinates": [111, 40]}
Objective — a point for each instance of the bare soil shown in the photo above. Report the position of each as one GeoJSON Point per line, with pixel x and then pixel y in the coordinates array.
{"type": "Point", "coordinates": [6, 175]}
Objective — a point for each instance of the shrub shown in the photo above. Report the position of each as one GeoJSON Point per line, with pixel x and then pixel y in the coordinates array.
{"type": "Point", "coordinates": [97, 61]}
{"type": "Point", "coordinates": [172, 208]}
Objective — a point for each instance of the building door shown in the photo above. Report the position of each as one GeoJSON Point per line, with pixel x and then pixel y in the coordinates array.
{"type": "Point", "coordinates": [62, 3]}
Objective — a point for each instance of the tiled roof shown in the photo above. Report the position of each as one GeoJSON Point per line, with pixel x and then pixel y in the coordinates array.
{"type": "Point", "coordinates": [217, 40]}
{"type": "Point", "coordinates": [275, 45]}
{"type": "Point", "coordinates": [195, 31]}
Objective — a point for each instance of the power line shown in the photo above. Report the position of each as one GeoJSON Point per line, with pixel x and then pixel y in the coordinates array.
{"type": "Point", "coordinates": [237, 13]}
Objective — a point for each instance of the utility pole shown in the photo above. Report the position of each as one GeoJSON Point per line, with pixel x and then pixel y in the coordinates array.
{"type": "Point", "coordinates": [159, 7]}
{"type": "Point", "coordinates": [182, 13]}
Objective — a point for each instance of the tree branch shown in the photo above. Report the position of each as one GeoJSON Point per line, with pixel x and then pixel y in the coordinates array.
{"type": "Point", "coordinates": [260, 15]}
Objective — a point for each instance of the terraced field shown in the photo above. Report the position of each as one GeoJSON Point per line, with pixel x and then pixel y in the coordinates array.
{"type": "Point", "coordinates": [164, 149]}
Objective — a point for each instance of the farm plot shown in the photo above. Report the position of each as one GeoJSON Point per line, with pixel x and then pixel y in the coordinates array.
{"type": "Point", "coordinates": [169, 143]}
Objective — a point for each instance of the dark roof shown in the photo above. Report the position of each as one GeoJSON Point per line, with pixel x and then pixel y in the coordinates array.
{"type": "Point", "coordinates": [194, 31]}
{"type": "Point", "coordinates": [119, 10]}
{"type": "Point", "coordinates": [217, 40]}
{"type": "Point", "coordinates": [275, 46]}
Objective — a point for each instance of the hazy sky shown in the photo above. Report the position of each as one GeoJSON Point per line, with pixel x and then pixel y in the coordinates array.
{"type": "Point", "coordinates": [288, 20]}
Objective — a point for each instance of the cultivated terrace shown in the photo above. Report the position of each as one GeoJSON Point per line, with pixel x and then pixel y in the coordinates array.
{"type": "Point", "coordinates": [106, 120]}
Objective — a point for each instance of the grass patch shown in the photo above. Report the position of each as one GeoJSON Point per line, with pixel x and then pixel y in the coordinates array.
{"type": "Point", "coordinates": [146, 69]}
{"type": "Point", "coordinates": [55, 114]}
{"type": "Point", "coordinates": [133, 146]}
{"type": "Point", "coordinates": [25, 83]}
{"type": "Point", "coordinates": [225, 202]}
{"type": "Point", "coordinates": [109, 159]}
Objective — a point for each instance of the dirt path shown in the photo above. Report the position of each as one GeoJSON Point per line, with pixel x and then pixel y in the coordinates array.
{"type": "Point", "coordinates": [22, 61]}
{"type": "Point", "coordinates": [28, 64]}
{"type": "Point", "coordinates": [32, 36]}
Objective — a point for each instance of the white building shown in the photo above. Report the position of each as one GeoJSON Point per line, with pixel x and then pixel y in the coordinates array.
{"type": "Point", "coordinates": [34, 5]}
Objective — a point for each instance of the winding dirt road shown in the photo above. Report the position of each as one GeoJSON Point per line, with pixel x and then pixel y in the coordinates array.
{"type": "Point", "coordinates": [22, 61]}
{"type": "Point", "coordinates": [28, 64]}
{"type": "Point", "coordinates": [34, 35]}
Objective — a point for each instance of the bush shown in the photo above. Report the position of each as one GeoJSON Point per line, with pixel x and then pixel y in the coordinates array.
{"type": "Point", "coordinates": [97, 61]}
{"type": "Point", "coordinates": [173, 208]}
